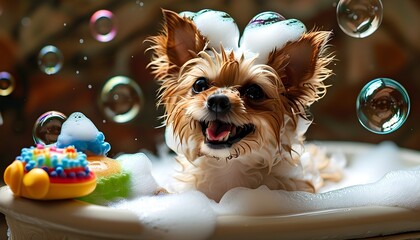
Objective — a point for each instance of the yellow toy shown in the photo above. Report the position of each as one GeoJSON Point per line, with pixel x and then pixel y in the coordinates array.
{"type": "Point", "coordinates": [48, 172]}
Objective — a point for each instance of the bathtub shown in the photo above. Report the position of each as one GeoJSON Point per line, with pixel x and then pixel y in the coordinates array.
{"type": "Point", "coordinates": [72, 219]}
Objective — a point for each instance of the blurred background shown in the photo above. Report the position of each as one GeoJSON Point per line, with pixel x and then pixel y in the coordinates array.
{"type": "Point", "coordinates": [98, 66]}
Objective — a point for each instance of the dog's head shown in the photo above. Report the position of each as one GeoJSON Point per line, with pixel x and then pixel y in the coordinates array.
{"type": "Point", "coordinates": [227, 102]}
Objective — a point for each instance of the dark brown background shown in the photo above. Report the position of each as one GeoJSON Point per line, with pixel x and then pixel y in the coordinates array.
{"type": "Point", "coordinates": [392, 51]}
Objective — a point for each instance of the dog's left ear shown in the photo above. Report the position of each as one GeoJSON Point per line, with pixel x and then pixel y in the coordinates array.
{"type": "Point", "coordinates": [179, 42]}
{"type": "Point", "coordinates": [302, 67]}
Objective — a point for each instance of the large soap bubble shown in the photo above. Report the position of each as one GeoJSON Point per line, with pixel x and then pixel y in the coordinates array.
{"type": "Point", "coordinates": [382, 106]}
{"type": "Point", "coordinates": [359, 18]}
{"type": "Point", "coordinates": [121, 99]}
{"type": "Point", "coordinates": [47, 127]}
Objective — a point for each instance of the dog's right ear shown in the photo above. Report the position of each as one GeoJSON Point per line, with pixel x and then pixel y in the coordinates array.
{"type": "Point", "coordinates": [179, 42]}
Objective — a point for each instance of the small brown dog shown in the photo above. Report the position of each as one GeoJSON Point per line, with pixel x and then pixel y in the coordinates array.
{"type": "Point", "coordinates": [236, 116]}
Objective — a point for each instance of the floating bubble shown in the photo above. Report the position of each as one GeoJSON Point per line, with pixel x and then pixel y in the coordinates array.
{"type": "Point", "coordinates": [7, 83]}
{"type": "Point", "coordinates": [47, 127]}
{"type": "Point", "coordinates": [50, 59]}
{"type": "Point", "coordinates": [102, 26]}
{"type": "Point", "coordinates": [140, 3]}
{"type": "Point", "coordinates": [382, 106]}
{"type": "Point", "coordinates": [359, 18]}
{"type": "Point", "coordinates": [26, 21]}
{"type": "Point", "coordinates": [121, 99]}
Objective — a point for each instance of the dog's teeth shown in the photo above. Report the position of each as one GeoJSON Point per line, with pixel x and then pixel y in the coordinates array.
{"type": "Point", "coordinates": [226, 137]}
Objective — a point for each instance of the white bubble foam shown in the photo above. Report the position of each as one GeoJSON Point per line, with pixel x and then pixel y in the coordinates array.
{"type": "Point", "coordinates": [228, 37]}
{"type": "Point", "coordinates": [141, 180]}
{"type": "Point", "coordinates": [274, 36]}
{"type": "Point", "coordinates": [374, 178]}
{"type": "Point", "coordinates": [370, 166]}
{"type": "Point", "coordinates": [397, 188]}
{"type": "Point", "coordinates": [256, 41]}
{"type": "Point", "coordinates": [177, 216]}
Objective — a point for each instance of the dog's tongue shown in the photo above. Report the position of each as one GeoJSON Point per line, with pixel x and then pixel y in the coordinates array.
{"type": "Point", "coordinates": [218, 131]}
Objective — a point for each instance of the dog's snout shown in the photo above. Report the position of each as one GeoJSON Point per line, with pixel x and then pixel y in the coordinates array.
{"type": "Point", "coordinates": [218, 103]}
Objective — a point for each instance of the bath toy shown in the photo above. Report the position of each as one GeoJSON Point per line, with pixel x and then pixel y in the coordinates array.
{"type": "Point", "coordinates": [47, 173]}
{"type": "Point", "coordinates": [114, 180]}
{"type": "Point", "coordinates": [76, 166]}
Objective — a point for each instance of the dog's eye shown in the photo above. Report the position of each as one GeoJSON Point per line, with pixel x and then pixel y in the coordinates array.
{"type": "Point", "coordinates": [254, 92]}
{"type": "Point", "coordinates": [200, 85]}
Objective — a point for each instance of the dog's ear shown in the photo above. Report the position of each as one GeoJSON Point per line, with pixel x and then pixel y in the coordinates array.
{"type": "Point", "coordinates": [302, 67]}
{"type": "Point", "coordinates": [179, 42]}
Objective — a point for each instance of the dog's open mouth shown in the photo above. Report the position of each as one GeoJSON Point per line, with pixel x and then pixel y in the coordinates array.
{"type": "Point", "coordinates": [220, 134]}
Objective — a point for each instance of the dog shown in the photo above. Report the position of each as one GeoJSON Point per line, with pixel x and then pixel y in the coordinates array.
{"type": "Point", "coordinates": [236, 116]}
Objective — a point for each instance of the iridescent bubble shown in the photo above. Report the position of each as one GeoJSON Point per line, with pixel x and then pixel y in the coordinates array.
{"type": "Point", "coordinates": [382, 106]}
{"type": "Point", "coordinates": [359, 18]}
{"type": "Point", "coordinates": [47, 127]}
{"type": "Point", "coordinates": [7, 83]}
{"type": "Point", "coordinates": [50, 59]}
{"type": "Point", "coordinates": [265, 18]}
{"type": "Point", "coordinates": [102, 26]}
{"type": "Point", "coordinates": [121, 99]}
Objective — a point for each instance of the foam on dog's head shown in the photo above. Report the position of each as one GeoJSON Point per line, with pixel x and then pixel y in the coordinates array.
{"type": "Point", "coordinates": [265, 32]}
{"type": "Point", "coordinates": [268, 31]}
{"type": "Point", "coordinates": [218, 27]}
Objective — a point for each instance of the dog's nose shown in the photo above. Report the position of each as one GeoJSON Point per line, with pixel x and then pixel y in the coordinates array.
{"type": "Point", "coordinates": [218, 103]}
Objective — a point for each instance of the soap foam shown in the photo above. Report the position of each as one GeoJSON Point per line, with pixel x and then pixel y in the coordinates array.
{"type": "Point", "coordinates": [397, 188]}
{"type": "Point", "coordinates": [142, 182]}
{"type": "Point", "coordinates": [374, 178]}
{"type": "Point", "coordinates": [370, 166]}
{"type": "Point", "coordinates": [185, 215]}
